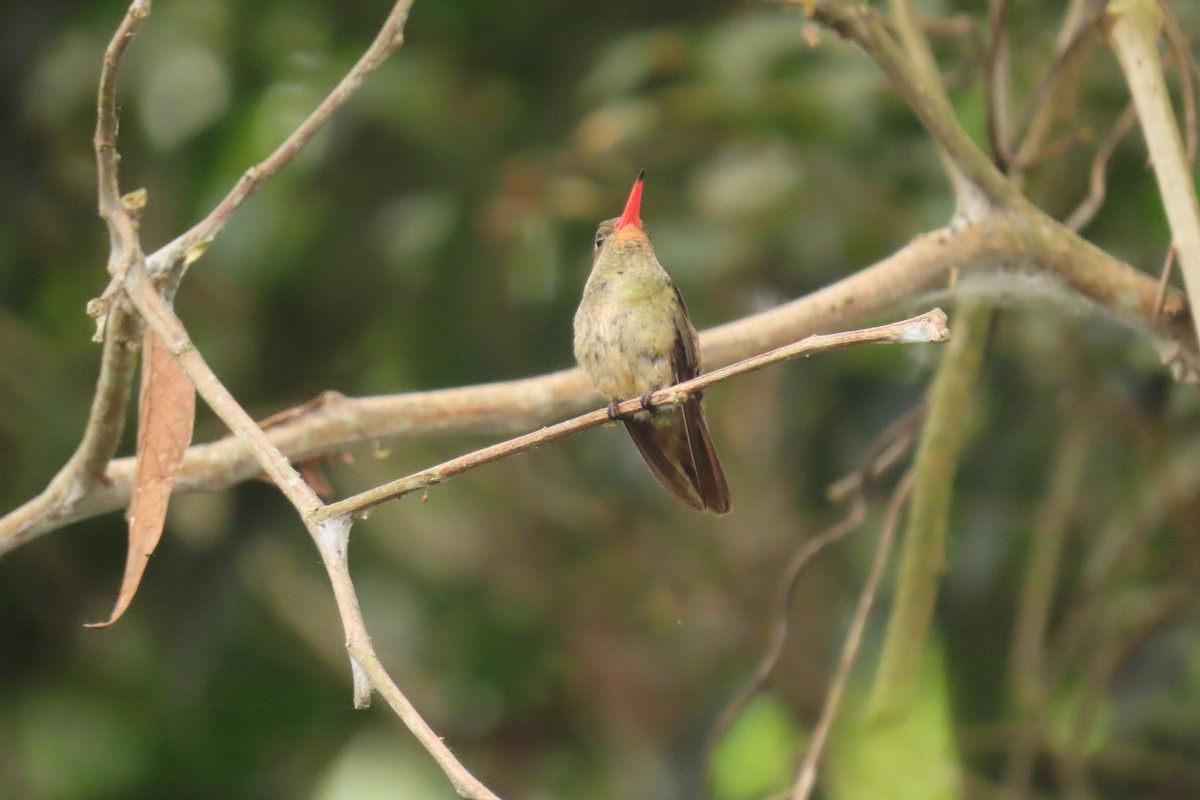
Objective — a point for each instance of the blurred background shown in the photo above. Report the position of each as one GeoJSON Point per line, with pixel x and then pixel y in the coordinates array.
{"type": "Point", "coordinates": [568, 628]}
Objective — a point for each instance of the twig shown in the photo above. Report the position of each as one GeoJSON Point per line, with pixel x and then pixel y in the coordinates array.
{"type": "Point", "coordinates": [803, 556]}
{"type": "Point", "coordinates": [929, 327]}
{"type": "Point", "coordinates": [880, 456]}
{"type": "Point", "coordinates": [1134, 30]}
{"type": "Point", "coordinates": [332, 537]}
{"type": "Point", "coordinates": [864, 26]}
{"type": "Point", "coordinates": [970, 200]}
{"type": "Point", "coordinates": [1187, 65]}
{"type": "Point", "coordinates": [1054, 149]}
{"type": "Point", "coordinates": [1164, 277]}
{"type": "Point", "coordinates": [892, 445]}
{"type": "Point", "coordinates": [1042, 107]}
{"type": "Point", "coordinates": [996, 84]}
{"type": "Point", "coordinates": [1087, 209]}
{"type": "Point", "coordinates": [807, 776]}
{"type": "Point", "coordinates": [178, 254]}
{"type": "Point", "coordinates": [121, 227]}
{"type": "Point", "coordinates": [1111, 564]}
{"type": "Point", "coordinates": [107, 419]}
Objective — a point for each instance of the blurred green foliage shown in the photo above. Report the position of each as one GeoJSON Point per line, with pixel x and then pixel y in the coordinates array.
{"type": "Point", "coordinates": [905, 757]}
{"type": "Point", "coordinates": [568, 629]}
{"type": "Point", "coordinates": [757, 754]}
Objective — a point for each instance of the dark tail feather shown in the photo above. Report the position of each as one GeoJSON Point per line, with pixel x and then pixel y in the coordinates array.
{"type": "Point", "coordinates": [677, 448]}
{"type": "Point", "coordinates": [710, 477]}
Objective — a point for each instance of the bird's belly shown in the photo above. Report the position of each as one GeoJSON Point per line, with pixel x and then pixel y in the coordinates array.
{"type": "Point", "coordinates": [624, 352]}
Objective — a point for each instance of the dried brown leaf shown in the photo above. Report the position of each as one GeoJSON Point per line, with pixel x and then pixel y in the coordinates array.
{"type": "Point", "coordinates": [166, 411]}
{"type": "Point", "coordinates": [315, 477]}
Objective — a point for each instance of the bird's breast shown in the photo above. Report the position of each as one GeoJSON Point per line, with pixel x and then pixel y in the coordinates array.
{"type": "Point", "coordinates": [624, 336]}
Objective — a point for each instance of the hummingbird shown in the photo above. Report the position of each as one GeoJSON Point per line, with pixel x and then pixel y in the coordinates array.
{"type": "Point", "coordinates": [633, 337]}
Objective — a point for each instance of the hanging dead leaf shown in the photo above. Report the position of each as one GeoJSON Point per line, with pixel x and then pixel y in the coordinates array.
{"type": "Point", "coordinates": [315, 477]}
{"type": "Point", "coordinates": [166, 411]}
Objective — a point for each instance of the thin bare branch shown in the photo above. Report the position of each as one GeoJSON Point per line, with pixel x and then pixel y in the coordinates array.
{"type": "Point", "coordinates": [1073, 47]}
{"type": "Point", "coordinates": [803, 556]}
{"type": "Point", "coordinates": [1181, 52]}
{"type": "Point", "coordinates": [176, 255]}
{"type": "Point", "coordinates": [807, 776]}
{"type": "Point", "coordinates": [1087, 209]}
{"type": "Point", "coordinates": [1134, 30]}
{"type": "Point", "coordinates": [120, 222]}
{"type": "Point", "coordinates": [996, 84]}
{"type": "Point", "coordinates": [332, 537]}
{"type": "Point", "coordinates": [894, 444]}
{"type": "Point", "coordinates": [863, 25]}
{"type": "Point", "coordinates": [117, 366]}
{"type": "Point", "coordinates": [880, 457]}
{"type": "Point", "coordinates": [928, 327]}
{"type": "Point", "coordinates": [1164, 277]}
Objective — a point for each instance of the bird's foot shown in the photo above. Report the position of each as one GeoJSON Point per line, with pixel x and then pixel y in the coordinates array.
{"type": "Point", "coordinates": [646, 395]}
{"type": "Point", "coordinates": [613, 413]}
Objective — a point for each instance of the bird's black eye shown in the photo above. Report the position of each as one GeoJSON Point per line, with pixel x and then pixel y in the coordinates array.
{"type": "Point", "coordinates": [599, 239]}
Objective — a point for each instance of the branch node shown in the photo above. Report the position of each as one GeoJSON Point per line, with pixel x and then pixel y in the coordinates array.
{"type": "Point", "coordinates": [929, 327]}
{"type": "Point", "coordinates": [362, 685]}
{"type": "Point", "coordinates": [135, 201]}
{"type": "Point", "coordinates": [333, 537]}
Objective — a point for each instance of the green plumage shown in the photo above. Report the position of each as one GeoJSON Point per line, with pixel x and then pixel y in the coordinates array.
{"type": "Point", "coordinates": [632, 337]}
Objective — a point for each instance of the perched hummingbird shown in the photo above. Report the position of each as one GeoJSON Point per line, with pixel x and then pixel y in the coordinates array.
{"type": "Point", "coordinates": [633, 337]}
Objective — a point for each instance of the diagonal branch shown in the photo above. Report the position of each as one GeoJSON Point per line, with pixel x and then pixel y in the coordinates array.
{"type": "Point", "coordinates": [162, 320]}
{"type": "Point", "coordinates": [175, 256]}
{"type": "Point", "coordinates": [996, 84]}
{"type": "Point", "coordinates": [865, 27]}
{"type": "Point", "coordinates": [807, 775]}
{"type": "Point", "coordinates": [929, 327]}
{"type": "Point", "coordinates": [1087, 209]}
{"type": "Point", "coordinates": [1135, 26]}
{"type": "Point", "coordinates": [883, 454]}
{"type": "Point", "coordinates": [1075, 36]}
{"type": "Point", "coordinates": [330, 535]}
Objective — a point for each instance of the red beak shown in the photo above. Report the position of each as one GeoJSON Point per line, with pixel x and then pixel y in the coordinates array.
{"type": "Point", "coordinates": [632, 215]}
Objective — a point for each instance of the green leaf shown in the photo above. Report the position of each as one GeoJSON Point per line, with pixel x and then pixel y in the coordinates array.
{"type": "Point", "coordinates": [758, 753]}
